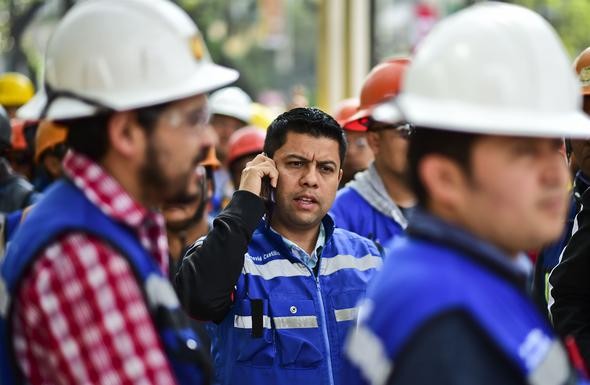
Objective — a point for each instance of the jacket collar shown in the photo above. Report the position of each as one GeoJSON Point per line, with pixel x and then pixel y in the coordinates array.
{"type": "Point", "coordinates": [277, 240]}
{"type": "Point", "coordinates": [430, 227]}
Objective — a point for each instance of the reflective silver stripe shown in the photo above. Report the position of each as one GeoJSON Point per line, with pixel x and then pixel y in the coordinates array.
{"type": "Point", "coordinates": [4, 299]}
{"type": "Point", "coordinates": [339, 262]}
{"type": "Point", "coordinates": [365, 350]}
{"type": "Point", "coordinates": [349, 314]}
{"type": "Point", "coordinates": [245, 321]}
{"type": "Point", "coordinates": [296, 322]}
{"type": "Point", "coordinates": [275, 268]}
{"type": "Point", "coordinates": [554, 368]}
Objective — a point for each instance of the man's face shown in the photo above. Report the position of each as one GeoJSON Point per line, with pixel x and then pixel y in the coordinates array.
{"type": "Point", "coordinates": [224, 126]}
{"type": "Point", "coordinates": [174, 149]}
{"type": "Point", "coordinates": [309, 172]}
{"type": "Point", "coordinates": [358, 154]}
{"type": "Point", "coordinates": [516, 196]}
{"type": "Point", "coordinates": [581, 147]}
{"type": "Point", "coordinates": [390, 147]}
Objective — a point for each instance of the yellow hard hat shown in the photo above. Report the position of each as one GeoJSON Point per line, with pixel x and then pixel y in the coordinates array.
{"type": "Point", "coordinates": [15, 89]}
{"type": "Point", "coordinates": [262, 116]}
{"type": "Point", "coordinates": [48, 135]}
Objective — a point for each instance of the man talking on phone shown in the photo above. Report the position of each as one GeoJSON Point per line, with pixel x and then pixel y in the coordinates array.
{"type": "Point", "coordinates": [279, 281]}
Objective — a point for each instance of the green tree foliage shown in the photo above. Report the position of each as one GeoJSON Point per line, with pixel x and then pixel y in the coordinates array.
{"type": "Point", "coordinates": [570, 18]}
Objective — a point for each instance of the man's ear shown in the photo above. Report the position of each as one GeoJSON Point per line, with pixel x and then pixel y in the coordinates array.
{"type": "Point", "coordinates": [444, 180]}
{"type": "Point", "coordinates": [373, 139]}
{"type": "Point", "coordinates": [340, 175]}
{"type": "Point", "coordinates": [126, 137]}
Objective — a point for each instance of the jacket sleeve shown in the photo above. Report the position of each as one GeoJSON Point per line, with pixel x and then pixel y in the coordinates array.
{"type": "Point", "coordinates": [206, 279]}
{"type": "Point", "coordinates": [570, 286]}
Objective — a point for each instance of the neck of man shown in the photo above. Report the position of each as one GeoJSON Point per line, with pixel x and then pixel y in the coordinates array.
{"type": "Point", "coordinates": [396, 186]}
{"type": "Point", "coordinates": [455, 218]}
{"type": "Point", "coordinates": [304, 238]}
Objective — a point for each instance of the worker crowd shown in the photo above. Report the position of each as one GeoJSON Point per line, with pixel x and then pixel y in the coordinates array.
{"type": "Point", "coordinates": [157, 226]}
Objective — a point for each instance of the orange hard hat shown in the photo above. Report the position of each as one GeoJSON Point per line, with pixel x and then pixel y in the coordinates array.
{"type": "Point", "coordinates": [582, 67]}
{"type": "Point", "coordinates": [247, 140]}
{"type": "Point", "coordinates": [345, 109]}
{"type": "Point", "coordinates": [48, 135]}
{"type": "Point", "coordinates": [211, 159]}
{"type": "Point", "coordinates": [382, 83]}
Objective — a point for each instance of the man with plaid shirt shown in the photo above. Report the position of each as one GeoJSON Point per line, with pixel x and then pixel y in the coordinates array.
{"type": "Point", "coordinates": [84, 295]}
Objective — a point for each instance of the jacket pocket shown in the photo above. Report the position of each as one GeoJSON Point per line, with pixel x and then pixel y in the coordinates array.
{"type": "Point", "coordinates": [252, 347]}
{"type": "Point", "coordinates": [299, 339]}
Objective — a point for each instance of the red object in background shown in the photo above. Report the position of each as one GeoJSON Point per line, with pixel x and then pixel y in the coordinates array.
{"type": "Point", "coordinates": [575, 356]}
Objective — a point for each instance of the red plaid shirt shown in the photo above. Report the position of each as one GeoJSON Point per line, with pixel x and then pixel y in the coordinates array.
{"type": "Point", "coordinates": [80, 316]}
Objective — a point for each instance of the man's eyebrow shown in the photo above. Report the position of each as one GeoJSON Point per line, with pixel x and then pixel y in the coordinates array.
{"type": "Point", "coordinates": [298, 157]}
{"type": "Point", "coordinates": [327, 162]}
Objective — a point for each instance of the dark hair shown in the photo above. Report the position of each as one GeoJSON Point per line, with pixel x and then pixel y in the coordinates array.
{"type": "Point", "coordinates": [89, 135]}
{"type": "Point", "coordinates": [456, 146]}
{"type": "Point", "coordinates": [311, 121]}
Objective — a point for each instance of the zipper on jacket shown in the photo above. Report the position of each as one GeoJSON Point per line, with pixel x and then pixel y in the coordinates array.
{"type": "Point", "coordinates": [324, 326]}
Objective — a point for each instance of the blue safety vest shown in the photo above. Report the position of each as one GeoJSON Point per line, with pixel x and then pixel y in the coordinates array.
{"type": "Point", "coordinates": [288, 325]}
{"type": "Point", "coordinates": [65, 209]}
{"type": "Point", "coordinates": [422, 278]}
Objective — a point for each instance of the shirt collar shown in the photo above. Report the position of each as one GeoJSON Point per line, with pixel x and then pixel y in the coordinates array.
{"type": "Point", "coordinates": [103, 190]}
{"type": "Point", "coordinates": [310, 260]}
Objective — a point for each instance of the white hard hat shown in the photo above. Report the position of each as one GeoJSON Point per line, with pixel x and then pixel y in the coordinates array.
{"type": "Point", "coordinates": [494, 69]}
{"type": "Point", "coordinates": [231, 101]}
{"type": "Point", "coordinates": [121, 55]}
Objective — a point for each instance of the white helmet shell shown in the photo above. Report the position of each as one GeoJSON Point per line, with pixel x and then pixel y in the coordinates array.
{"type": "Point", "coordinates": [496, 69]}
{"type": "Point", "coordinates": [124, 54]}
{"type": "Point", "coordinates": [231, 101]}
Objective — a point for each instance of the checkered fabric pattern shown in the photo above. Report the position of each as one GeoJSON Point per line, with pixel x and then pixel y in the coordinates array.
{"type": "Point", "coordinates": [80, 316]}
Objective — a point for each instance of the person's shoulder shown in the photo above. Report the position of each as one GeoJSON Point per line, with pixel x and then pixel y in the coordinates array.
{"type": "Point", "coordinates": [347, 194]}
{"type": "Point", "coordinates": [342, 236]}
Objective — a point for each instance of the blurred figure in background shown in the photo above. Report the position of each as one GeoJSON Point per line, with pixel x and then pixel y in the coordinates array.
{"type": "Point", "coordinates": [244, 145]}
{"type": "Point", "coordinates": [15, 190]}
{"type": "Point", "coordinates": [358, 153]}
{"type": "Point", "coordinates": [188, 219]}
{"type": "Point", "coordinates": [378, 201]}
{"type": "Point", "coordinates": [568, 284]}
{"type": "Point", "coordinates": [50, 149]}
{"type": "Point", "coordinates": [231, 109]}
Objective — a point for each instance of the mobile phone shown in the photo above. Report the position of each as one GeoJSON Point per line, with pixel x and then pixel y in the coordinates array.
{"type": "Point", "coordinates": [267, 192]}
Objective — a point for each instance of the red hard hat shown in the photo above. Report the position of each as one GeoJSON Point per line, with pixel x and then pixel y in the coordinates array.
{"type": "Point", "coordinates": [345, 109]}
{"type": "Point", "coordinates": [582, 67]}
{"type": "Point", "coordinates": [382, 83]}
{"type": "Point", "coordinates": [247, 140]}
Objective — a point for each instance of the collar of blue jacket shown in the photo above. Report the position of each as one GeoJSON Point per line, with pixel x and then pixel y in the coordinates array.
{"type": "Point", "coordinates": [433, 228]}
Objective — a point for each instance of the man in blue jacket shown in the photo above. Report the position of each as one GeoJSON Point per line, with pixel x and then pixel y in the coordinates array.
{"type": "Point", "coordinates": [285, 288]}
{"type": "Point", "coordinates": [377, 202]}
{"type": "Point", "coordinates": [450, 305]}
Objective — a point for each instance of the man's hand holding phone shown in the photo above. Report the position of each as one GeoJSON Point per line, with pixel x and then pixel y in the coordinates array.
{"type": "Point", "coordinates": [258, 172]}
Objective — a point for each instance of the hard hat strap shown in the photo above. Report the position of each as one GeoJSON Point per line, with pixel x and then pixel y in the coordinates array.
{"type": "Point", "coordinates": [54, 94]}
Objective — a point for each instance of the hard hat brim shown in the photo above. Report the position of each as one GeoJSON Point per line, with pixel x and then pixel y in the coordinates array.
{"type": "Point", "coordinates": [455, 116]}
{"type": "Point", "coordinates": [209, 77]}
